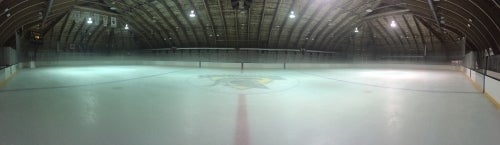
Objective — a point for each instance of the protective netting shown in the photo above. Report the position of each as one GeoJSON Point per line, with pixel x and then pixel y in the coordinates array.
{"type": "Point", "coordinates": [494, 63]}
{"type": "Point", "coordinates": [232, 56]}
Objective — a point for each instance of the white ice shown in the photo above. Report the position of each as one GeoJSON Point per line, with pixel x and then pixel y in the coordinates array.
{"type": "Point", "coordinates": [149, 105]}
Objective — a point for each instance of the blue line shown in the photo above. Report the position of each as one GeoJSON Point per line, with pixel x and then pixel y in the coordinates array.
{"type": "Point", "coordinates": [404, 89]}
{"type": "Point", "coordinates": [91, 84]}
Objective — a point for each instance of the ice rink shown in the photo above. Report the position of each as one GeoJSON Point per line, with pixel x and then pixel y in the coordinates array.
{"type": "Point", "coordinates": [156, 105]}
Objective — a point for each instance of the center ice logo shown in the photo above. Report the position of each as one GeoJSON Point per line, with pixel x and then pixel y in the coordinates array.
{"type": "Point", "coordinates": [242, 82]}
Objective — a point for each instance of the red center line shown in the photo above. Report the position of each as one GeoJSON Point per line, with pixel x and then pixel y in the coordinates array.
{"type": "Point", "coordinates": [242, 136]}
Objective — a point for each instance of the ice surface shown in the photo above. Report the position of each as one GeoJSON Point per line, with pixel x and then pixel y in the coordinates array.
{"type": "Point", "coordinates": [148, 105]}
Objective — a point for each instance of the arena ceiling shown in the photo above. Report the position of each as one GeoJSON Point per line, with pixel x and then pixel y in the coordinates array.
{"type": "Point", "coordinates": [326, 25]}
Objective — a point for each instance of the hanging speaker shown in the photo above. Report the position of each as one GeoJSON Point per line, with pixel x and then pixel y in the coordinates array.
{"type": "Point", "coordinates": [241, 4]}
{"type": "Point", "coordinates": [248, 3]}
{"type": "Point", "coordinates": [113, 22]}
{"type": "Point", "coordinates": [105, 20]}
{"type": "Point", "coordinates": [235, 4]}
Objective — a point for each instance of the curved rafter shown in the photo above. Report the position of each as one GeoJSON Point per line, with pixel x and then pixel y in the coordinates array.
{"type": "Point", "coordinates": [284, 23]}
{"type": "Point", "coordinates": [164, 23]}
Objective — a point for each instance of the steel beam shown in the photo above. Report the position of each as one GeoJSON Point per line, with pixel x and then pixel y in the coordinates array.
{"type": "Point", "coordinates": [411, 31]}
{"type": "Point", "coordinates": [272, 23]}
{"type": "Point", "coordinates": [262, 14]}
{"type": "Point", "coordinates": [214, 33]}
{"type": "Point", "coordinates": [284, 22]}
{"type": "Point", "coordinates": [433, 9]}
{"type": "Point", "coordinates": [224, 20]}
{"type": "Point", "coordinates": [47, 12]}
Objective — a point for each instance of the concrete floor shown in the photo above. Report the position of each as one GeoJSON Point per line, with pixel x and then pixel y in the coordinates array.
{"type": "Point", "coordinates": [143, 105]}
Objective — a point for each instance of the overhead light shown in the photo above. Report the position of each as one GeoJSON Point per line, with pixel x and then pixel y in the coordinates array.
{"type": "Point", "coordinates": [192, 15]}
{"type": "Point", "coordinates": [393, 24]}
{"type": "Point", "coordinates": [126, 27]}
{"type": "Point", "coordinates": [356, 30]}
{"type": "Point", "coordinates": [369, 10]}
{"type": "Point", "coordinates": [8, 15]}
{"type": "Point", "coordinates": [292, 14]}
{"type": "Point", "coordinates": [89, 21]}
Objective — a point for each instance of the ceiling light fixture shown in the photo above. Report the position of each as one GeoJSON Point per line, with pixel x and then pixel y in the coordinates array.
{"type": "Point", "coordinates": [356, 30]}
{"type": "Point", "coordinates": [90, 21]}
{"type": "Point", "coordinates": [292, 14]}
{"type": "Point", "coordinates": [192, 15]}
{"type": "Point", "coordinates": [126, 27]}
{"type": "Point", "coordinates": [393, 24]}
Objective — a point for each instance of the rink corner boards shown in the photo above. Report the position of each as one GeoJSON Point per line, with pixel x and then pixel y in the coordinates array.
{"type": "Point", "coordinates": [492, 100]}
{"type": "Point", "coordinates": [3, 83]}
{"type": "Point", "coordinates": [488, 96]}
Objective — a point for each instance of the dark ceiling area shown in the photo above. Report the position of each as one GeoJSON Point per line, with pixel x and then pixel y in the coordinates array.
{"type": "Point", "coordinates": [392, 26]}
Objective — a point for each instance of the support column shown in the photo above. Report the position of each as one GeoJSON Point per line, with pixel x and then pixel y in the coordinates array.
{"type": "Point", "coordinates": [15, 55]}
{"type": "Point", "coordinates": [485, 72]}
{"type": "Point", "coordinates": [19, 46]}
